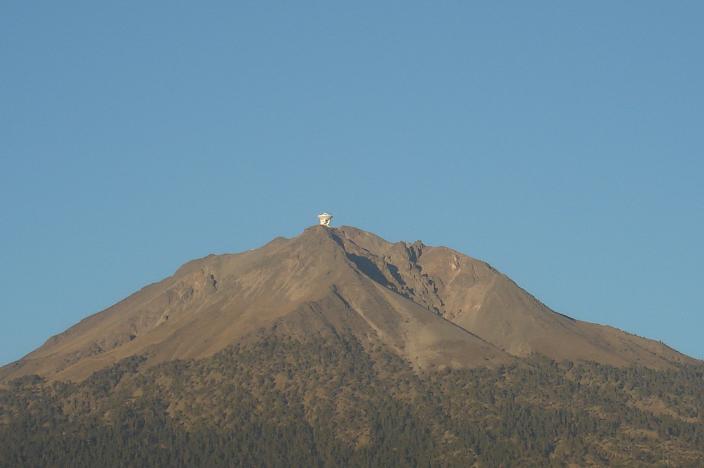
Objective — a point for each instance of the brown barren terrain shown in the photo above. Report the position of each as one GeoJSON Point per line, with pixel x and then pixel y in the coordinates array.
{"type": "Point", "coordinates": [432, 306]}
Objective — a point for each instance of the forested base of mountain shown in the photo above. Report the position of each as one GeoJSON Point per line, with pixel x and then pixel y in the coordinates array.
{"type": "Point", "coordinates": [330, 401]}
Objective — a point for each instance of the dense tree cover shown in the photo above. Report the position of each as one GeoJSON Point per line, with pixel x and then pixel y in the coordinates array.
{"type": "Point", "coordinates": [330, 401]}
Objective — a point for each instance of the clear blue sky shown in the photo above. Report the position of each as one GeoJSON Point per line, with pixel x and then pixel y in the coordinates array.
{"type": "Point", "coordinates": [559, 141]}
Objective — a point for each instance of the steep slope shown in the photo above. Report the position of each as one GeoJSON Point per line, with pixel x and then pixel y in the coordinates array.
{"type": "Point", "coordinates": [308, 284]}
{"type": "Point", "coordinates": [475, 296]}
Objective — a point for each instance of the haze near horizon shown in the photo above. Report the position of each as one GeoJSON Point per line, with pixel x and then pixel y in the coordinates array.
{"type": "Point", "coordinates": [560, 143]}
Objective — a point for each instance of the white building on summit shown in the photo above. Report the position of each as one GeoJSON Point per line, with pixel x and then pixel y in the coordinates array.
{"type": "Point", "coordinates": [325, 219]}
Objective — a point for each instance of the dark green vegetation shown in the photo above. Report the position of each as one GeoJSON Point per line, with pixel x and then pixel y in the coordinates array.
{"type": "Point", "coordinates": [328, 401]}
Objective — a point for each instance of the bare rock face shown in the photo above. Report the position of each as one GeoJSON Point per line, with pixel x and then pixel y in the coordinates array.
{"type": "Point", "coordinates": [433, 306]}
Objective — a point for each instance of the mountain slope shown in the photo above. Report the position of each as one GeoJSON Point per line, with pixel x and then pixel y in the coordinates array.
{"type": "Point", "coordinates": [432, 306]}
{"type": "Point", "coordinates": [213, 302]}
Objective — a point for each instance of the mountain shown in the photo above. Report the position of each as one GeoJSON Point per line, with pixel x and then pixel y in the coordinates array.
{"type": "Point", "coordinates": [433, 306]}
{"type": "Point", "coordinates": [338, 348]}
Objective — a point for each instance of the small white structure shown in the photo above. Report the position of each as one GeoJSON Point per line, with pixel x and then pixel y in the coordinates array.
{"type": "Point", "coordinates": [325, 219]}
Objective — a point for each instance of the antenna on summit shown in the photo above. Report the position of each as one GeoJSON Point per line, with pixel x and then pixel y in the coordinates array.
{"type": "Point", "coordinates": [325, 219]}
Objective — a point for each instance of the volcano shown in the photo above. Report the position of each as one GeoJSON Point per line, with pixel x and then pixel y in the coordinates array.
{"type": "Point", "coordinates": [338, 348]}
{"type": "Point", "coordinates": [432, 306]}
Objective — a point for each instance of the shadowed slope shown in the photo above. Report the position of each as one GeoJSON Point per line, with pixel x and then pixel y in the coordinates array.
{"type": "Point", "coordinates": [473, 295]}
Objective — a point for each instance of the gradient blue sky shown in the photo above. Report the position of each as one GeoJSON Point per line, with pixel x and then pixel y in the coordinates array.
{"type": "Point", "coordinates": [559, 141]}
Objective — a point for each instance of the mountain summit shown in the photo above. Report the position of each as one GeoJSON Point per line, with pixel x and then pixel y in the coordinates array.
{"type": "Point", "coordinates": [432, 306]}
